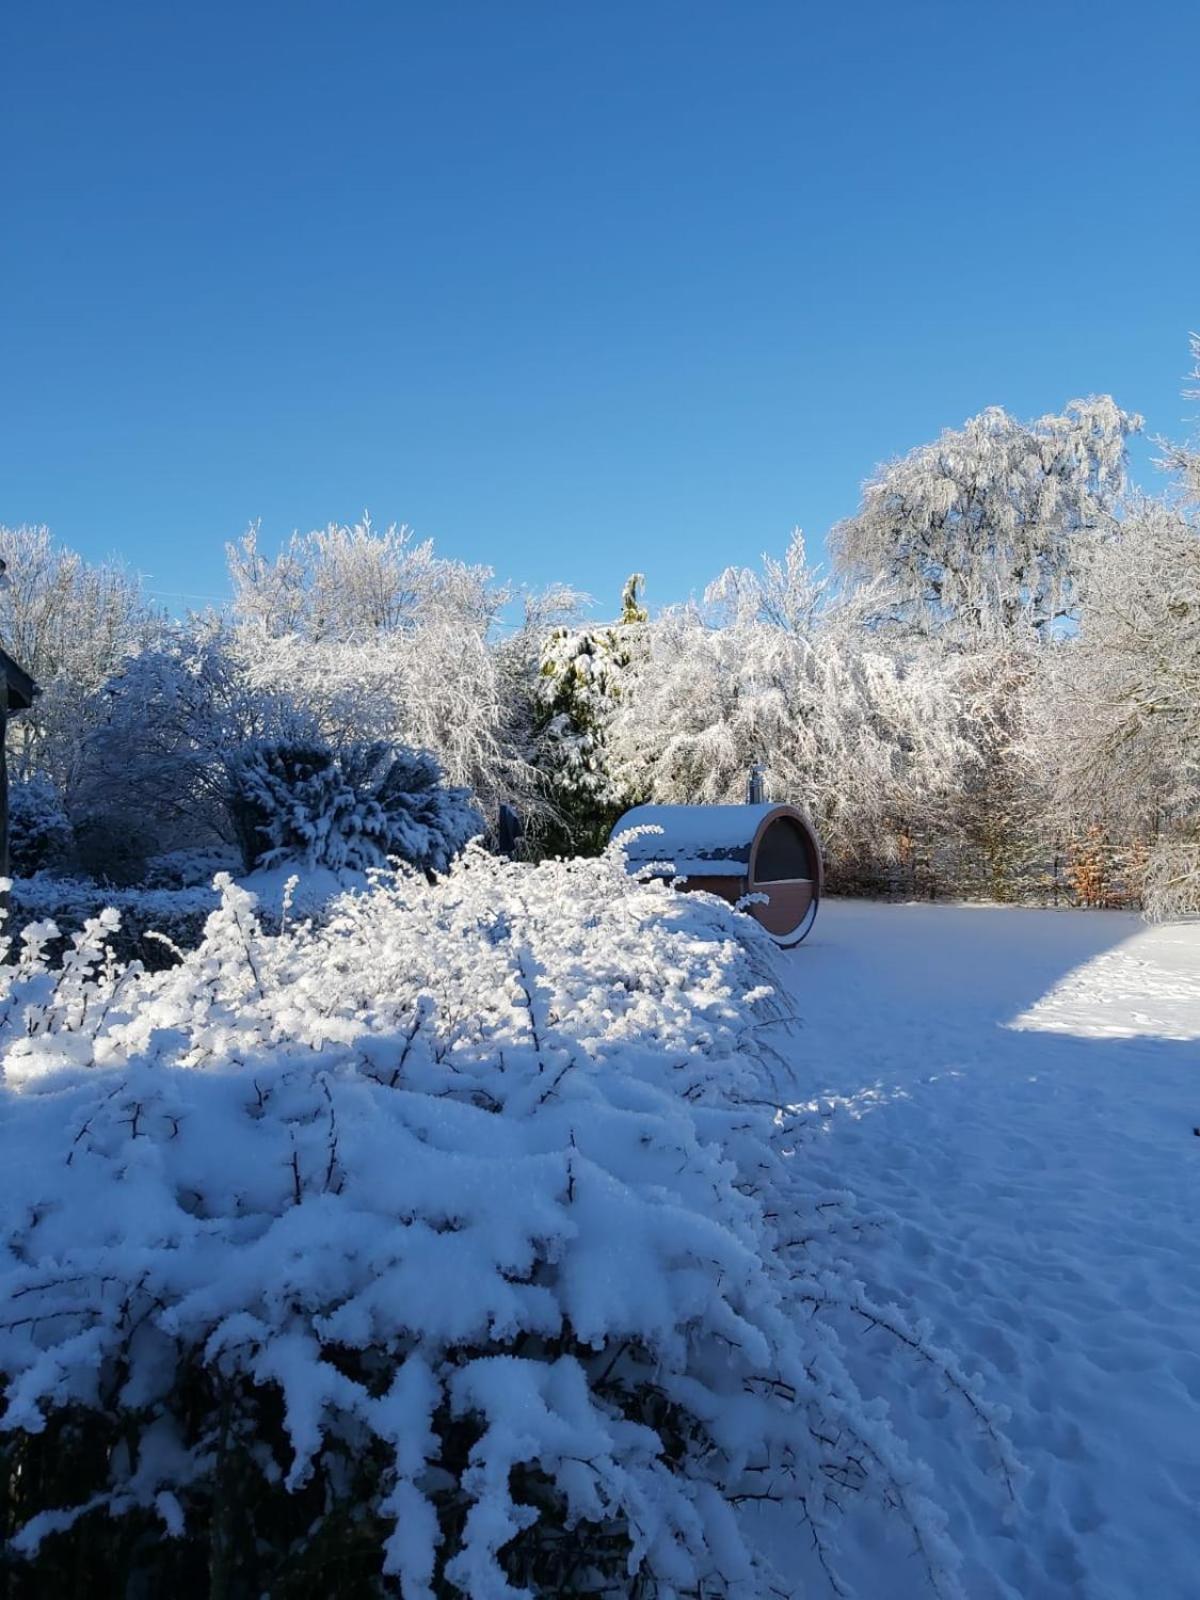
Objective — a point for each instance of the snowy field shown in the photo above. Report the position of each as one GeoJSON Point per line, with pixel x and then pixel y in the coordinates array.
{"type": "Point", "coordinates": [1014, 1092]}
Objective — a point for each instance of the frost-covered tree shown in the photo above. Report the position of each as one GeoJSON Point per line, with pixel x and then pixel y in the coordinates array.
{"type": "Point", "coordinates": [352, 583]}
{"type": "Point", "coordinates": [153, 774]}
{"type": "Point", "coordinates": [776, 668]}
{"type": "Point", "coordinates": [69, 623]}
{"type": "Point", "coordinates": [791, 594]}
{"type": "Point", "coordinates": [992, 838]}
{"type": "Point", "coordinates": [379, 638]}
{"type": "Point", "coordinates": [584, 671]}
{"type": "Point", "coordinates": [1171, 881]}
{"type": "Point", "coordinates": [986, 530]}
{"type": "Point", "coordinates": [196, 747]}
{"type": "Point", "coordinates": [1119, 725]}
{"type": "Point", "coordinates": [1125, 707]}
{"type": "Point", "coordinates": [1184, 459]}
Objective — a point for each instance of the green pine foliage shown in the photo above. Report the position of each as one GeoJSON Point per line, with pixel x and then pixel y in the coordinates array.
{"type": "Point", "coordinates": [583, 674]}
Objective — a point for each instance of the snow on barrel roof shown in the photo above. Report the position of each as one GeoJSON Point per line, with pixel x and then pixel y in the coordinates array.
{"type": "Point", "coordinates": [708, 841]}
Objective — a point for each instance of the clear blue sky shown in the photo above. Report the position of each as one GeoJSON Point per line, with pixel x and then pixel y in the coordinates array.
{"type": "Point", "coordinates": [573, 288]}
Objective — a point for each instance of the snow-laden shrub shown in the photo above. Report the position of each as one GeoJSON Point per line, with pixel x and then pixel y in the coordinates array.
{"type": "Point", "coordinates": [39, 833]}
{"type": "Point", "coordinates": [192, 868]}
{"type": "Point", "coordinates": [351, 808]}
{"type": "Point", "coordinates": [154, 923]}
{"type": "Point", "coordinates": [458, 1246]}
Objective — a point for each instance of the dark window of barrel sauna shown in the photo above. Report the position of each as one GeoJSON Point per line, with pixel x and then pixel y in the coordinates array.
{"type": "Point", "coordinates": [782, 854]}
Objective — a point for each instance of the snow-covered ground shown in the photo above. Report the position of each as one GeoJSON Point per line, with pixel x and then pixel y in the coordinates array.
{"type": "Point", "coordinates": [454, 1121]}
{"type": "Point", "coordinates": [1014, 1093]}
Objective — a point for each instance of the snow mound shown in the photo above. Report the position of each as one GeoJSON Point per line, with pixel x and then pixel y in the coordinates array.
{"type": "Point", "coordinates": [463, 1230]}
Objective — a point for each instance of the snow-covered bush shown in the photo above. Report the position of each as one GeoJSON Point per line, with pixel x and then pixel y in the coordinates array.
{"type": "Point", "coordinates": [155, 924]}
{"type": "Point", "coordinates": [39, 832]}
{"type": "Point", "coordinates": [351, 808]}
{"type": "Point", "coordinates": [457, 1246]}
{"type": "Point", "coordinates": [201, 744]}
{"type": "Point", "coordinates": [191, 868]}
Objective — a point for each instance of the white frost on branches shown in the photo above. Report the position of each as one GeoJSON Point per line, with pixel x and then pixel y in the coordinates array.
{"type": "Point", "coordinates": [777, 668]}
{"type": "Point", "coordinates": [1001, 663]}
{"type": "Point", "coordinates": [376, 637]}
{"type": "Point", "coordinates": [1118, 727]}
{"type": "Point", "coordinates": [69, 624]}
{"type": "Point", "coordinates": [986, 529]}
{"type": "Point", "coordinates": [1184, 459]}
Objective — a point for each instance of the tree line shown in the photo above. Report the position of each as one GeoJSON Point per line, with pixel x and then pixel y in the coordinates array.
{"type": "Point", "coordinates": [992, 688]}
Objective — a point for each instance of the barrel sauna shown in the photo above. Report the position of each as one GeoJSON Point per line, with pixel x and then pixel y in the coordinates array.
{"type": "Point", "coordinates": [733, 851]}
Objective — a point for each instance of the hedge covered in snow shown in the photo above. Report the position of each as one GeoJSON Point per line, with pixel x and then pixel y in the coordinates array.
{"type": "Point", "coordinates": [457, 1246]}
{"type": "Point", "coordinates": [151, 920]}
